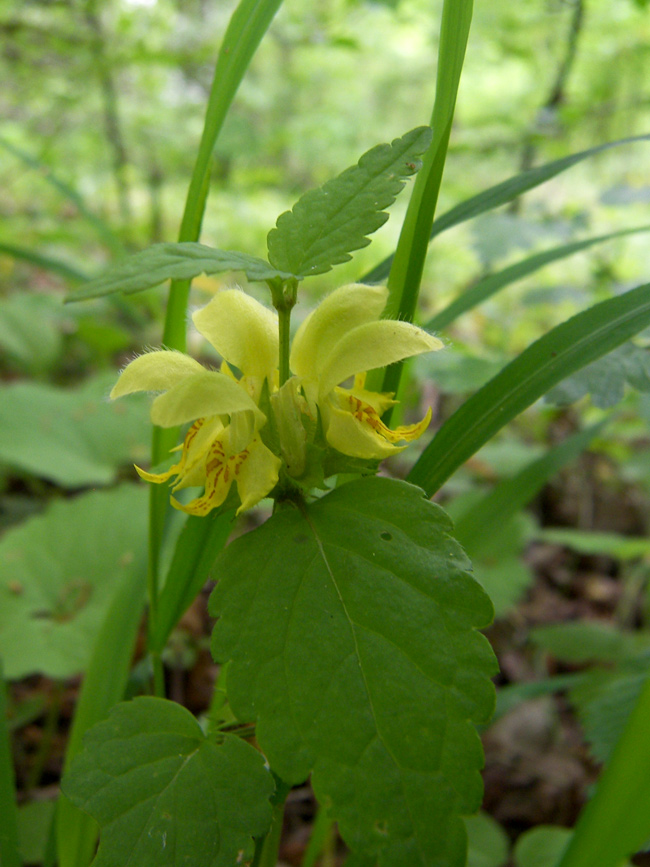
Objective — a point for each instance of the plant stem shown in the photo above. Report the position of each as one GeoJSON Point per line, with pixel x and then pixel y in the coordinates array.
{"type": "Point", "coordinates": [284, 324]}
{"type": "Point", "coordinates": [267, 848]}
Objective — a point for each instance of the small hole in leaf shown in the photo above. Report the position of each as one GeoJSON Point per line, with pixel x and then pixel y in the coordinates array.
{"type": "Point", "coordinates": [386, 536]}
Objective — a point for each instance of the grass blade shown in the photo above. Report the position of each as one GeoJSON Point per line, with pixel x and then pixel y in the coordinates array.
{"type": "Point", "coordinates": [501, 194]}
{"type": "Point", "coordinates": [247, 26]}
{"type": "Point", "coordinates": [406, 268]}
{"type": "Point", "coordinates": [480, 523]}
{"type": "Point", "coordinates": [198, 545]}
{"type": "Point", "coordinates": [103, 686]}
{"type": "Point", "coordinates": [408, 263]}
{"type": "Point", "coordinates": [567, 348]}
{"type": "Point", "coordinates": [45, 173]}
{"type": "Point", "coordinates": [9, 853]}
{"type": "Point", "coordinates": [490, 285]}
{"type": "Point", "coordinates": [48, 263]}
{"type": "Point", "coordinates": [616, 822]}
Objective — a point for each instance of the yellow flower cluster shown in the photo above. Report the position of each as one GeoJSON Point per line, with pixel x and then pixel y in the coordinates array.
{"type": "Point", "coordinates": [341, 339]}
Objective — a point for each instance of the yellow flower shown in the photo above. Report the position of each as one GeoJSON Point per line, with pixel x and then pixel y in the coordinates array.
{"type": "Point", "coordinates": [223, 444]}
{"type": "Point", "coordinates": [343, 338]}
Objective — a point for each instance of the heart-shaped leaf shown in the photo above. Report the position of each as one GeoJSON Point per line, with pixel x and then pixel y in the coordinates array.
{"type": "Point", "coordinates": [351, 626]}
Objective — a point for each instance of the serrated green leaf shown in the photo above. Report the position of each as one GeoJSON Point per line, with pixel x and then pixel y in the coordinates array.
{"type": "Point", "coordinates": [351, 626]}
{"type": "Point", "coordinates": [328, 223]}
{"type": "Point", "coordinates": [582, 642]}
{"type": "Point", "coordinates": [501, 194]}
{"type": "Point", "coordinates": [559, 353]}
{"type": "Point", "coordinates": [604, 701]}
{"type": "Point", "coordinates": [162, 262]}
{"type": "Point", "coordinates": [58, 573]}
{"type": "Point", "coordinates": [163, 794]}
{"type": "Point", "coordinates": [593, 542]}
{"type": "Point", "coordinates": [606, 378]}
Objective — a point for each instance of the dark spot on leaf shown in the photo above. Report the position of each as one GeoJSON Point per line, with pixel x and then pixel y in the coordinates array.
{"type": "Point", "coordinates": [381, 826]}
{"type": "Point", "coordinates": [301, 538]}
{"type": "Point", "coordinates": [386, 536]}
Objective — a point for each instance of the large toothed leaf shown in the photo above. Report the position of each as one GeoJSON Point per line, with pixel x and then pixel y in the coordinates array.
{"type": "Point", "coordinates": [164, 795]}
{"type": "Point", "coordinates": [327, 224]}
{"type": "Point", "coordinates": [351, 626]}
{"type": "Point", "coordinates": [176, 262]}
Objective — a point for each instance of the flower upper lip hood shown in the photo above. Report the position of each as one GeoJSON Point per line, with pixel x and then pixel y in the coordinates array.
{"type": "Point", "coordinates": [222, 446]}
{"type": "Point", "coordinates": [344, 337]}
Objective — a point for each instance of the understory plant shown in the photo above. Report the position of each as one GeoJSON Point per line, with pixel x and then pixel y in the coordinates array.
{"type": "Point", "coordinates": [348, 623]}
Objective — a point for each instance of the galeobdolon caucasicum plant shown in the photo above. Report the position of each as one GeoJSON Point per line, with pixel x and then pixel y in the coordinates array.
{"type": "Point", "coordinates": [309, 423]}
{"type": "Point", "coordinates": [347, 623]}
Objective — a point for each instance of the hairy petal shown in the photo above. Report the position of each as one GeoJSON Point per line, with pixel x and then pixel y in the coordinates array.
{"type": "Point", "coordinates": [342, 310]}
{"type": "Point", "coordinates": [155, 371]}
{"type": "Point", "coordinates": [257, 475]}
{"type": "Point", "coordinates": [243, 331]}
{"type": "Point", "coordinates": [374, 344]}
{"type": "Point", "coordinates": [202, 394]}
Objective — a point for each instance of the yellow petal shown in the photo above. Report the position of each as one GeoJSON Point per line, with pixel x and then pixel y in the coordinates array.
{"type": "Point", "coordinates": [218, 480]}
{"type": "Point", "coordinates": [374, 344]}
{"type": "Point", "coordinates": [202, 394]}
{"type": "Point", "coordinates": [257, 475]}
{"type": "Point", "coordinates": [242, 330]}
{"type": "Point", "coordinates": [155, 371]}
{"type": "Point", "coordinates": [350, 436]}
{"type": "Point", "coordinates": [342, 310]}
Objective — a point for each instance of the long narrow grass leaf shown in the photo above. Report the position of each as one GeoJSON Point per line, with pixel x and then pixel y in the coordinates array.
{"type": "Point", "coordinates": [103, 686]}
{"type": "Point", "coordinates": [406, 268]}
{"type": "Point", "coordinates": [480, 523]}
{"type": "Point", "coordinates": [493, 283]}
{"type": "Point", "coordinates": [501, 194]}
{"type": "Point", "coordinates": [45, 173]}
{"type": "Point", "coordinates": [616, 822]}
{"type": "Point", "coordinates": [48, 263]}
{"type": "Point", "coordinates": [199, 543]}
{"type": "Point", "coordinates": [565, 349]}
{"type": "Point", "coordinates": [247, 26]}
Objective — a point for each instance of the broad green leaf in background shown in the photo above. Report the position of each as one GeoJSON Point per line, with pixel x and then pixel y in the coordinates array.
{"type": "Point", "coordinates": [164, 794]}
{"type": "Point", "coordinates": [487, 842]}
{"type": "Point", "coordinates": [501, 194]}
{"type": "Point", "coordinates": [58, 573]}
{"type": "Point", "coordinates": [542, 846]}
{"type": "Point", "coordinates": [588, 641]}
{"type": "Point", "coordinates": [162, 262]}
{"type": "Point", "coordinates": [606, 378]}
{"type": "Point", "coordinates": [30, 331]}
{"type": "Point", "coordinates": [73, 437]}
{"type": "Point", "coordinates": [488, 286]}
{"type": "Point", "coordinates": [362, 664]}
{"type": "Point", "coordinates": [559, 353]}
{"type": "Point", "coordinates": [328, 223]}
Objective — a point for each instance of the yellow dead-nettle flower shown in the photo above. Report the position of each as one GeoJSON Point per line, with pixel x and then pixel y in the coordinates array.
{"type": "Point", "coordinates": [223, 444]}
{"type": "Point", "coordinates": [342, 338]}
